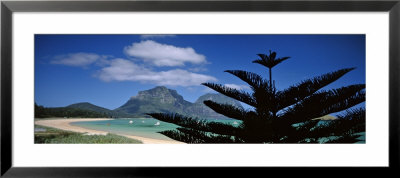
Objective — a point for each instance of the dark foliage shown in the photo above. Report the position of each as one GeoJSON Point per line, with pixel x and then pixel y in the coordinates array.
{"type": "Point", "coordinates": [43, 112]}
{"type": "Point", "coordinates": [287, 116]}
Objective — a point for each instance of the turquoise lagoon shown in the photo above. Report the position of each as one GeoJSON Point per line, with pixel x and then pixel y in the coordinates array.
{"type": "Point", "coordinates": [143, 127]}
{"type": "Point", "coordinates": [149, 127]}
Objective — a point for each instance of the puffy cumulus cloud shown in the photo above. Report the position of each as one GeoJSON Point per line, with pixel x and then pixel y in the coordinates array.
{"type": "Point", "coordinates": [163, 54]}
{"type": "Point", "coordinates": [125, 70]}
{"type": "Point", "coordinates": [122, 70]}
{"type": "Point", "coordinates": [238, 87]}
{"type": "Point", "coordinates": [179, 77]}
{"type": "Point", "coordinates": [80, 59]}
{"type": "Point", "coordinates": [155, 36]}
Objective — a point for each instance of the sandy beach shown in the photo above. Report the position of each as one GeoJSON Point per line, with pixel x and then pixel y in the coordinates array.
{"type": "Point", "coordinates": [64, 124]}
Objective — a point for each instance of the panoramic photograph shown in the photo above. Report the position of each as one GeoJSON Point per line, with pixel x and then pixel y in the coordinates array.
{"type": "Point", "coordinates": [199, 89]}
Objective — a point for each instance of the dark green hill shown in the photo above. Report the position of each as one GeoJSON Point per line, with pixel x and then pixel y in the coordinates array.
{"type": "Point", "coordinates": [88, 106]}
{"type": "Point", "coordinates": [45, 112]}
{"type": "Point", "coordinates": [98, 109]}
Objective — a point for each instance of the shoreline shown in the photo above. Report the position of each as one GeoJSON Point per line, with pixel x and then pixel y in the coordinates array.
{"type": "Point", "coordinates": [64, 124]}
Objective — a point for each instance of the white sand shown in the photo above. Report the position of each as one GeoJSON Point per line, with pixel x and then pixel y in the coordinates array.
{"type": "Point", "coordinates": [64, 124]}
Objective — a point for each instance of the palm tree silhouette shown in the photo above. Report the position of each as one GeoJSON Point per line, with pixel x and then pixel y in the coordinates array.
{"type": "Point", "coordinates": [269, 61]}
{"type": "Point", "coordinates": [286, 116]}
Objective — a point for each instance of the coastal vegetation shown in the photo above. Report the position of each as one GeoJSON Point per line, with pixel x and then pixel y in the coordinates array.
{"type": "Point", "coordinates": [157, 99]}
{"type": "Point", "coordinates": [51, 135]}
{"type": "Point", "coordinates": [45, 112]}
{"type": "Point", "coordinates": [91, 107]}
{"type": "Point", "coordinates": [277, 116]}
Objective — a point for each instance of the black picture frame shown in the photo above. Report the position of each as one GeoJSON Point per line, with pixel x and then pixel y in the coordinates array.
{"type": "Point", "coordinates": [8, 7]}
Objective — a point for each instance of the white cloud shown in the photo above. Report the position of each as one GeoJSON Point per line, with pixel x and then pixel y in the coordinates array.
{"type": "Point", "coordinates": [80, 59]}
{"type": "Point", "coordinates": [155, 36]}
{"type": "Point", "coordinates": [198, 69]}
{"type": "Point", "coordinates": [238, 87]}
{"type": "Point", "coordinates": [163, 54]}
{"type": "Point", "coordinates": [235, 86]}
{"type": "Point", "coordinates": [125, 70]}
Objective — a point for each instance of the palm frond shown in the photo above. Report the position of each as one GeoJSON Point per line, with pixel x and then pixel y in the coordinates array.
{"type": "Point", "coordinates": [300, 132]}
{"type": "Point", "coordinates": [263, 56]}
{"type": "Point", "coordinates": [324, 103]}
{"type": "Point", "coordinates": [207, 137]}
{"type": "Point", "coordinates": [306, 88]}
{"type": "Point", "coordinates": [233, 93]}
{"type": "Point", "coordinates": [230, 110]}
{"type": "Point", "coordinates": [272, 55]}
{"type": "Point", "coordinates": [196, 124]}
{"type": "Point", "coordinates": [269, 61]}
{"type": "Point", "coordinates": [344, 139]}
{"type": "Point", "coordinates": [253, 79]}
{"type": "Point", "coordinates": [177, 119]}
{"type": "Point", "coordinates": [279, 60]}
{"type": "Point", "coordinates": [351, 122]}
{"type": "Point", "coordinates": [183, 137]}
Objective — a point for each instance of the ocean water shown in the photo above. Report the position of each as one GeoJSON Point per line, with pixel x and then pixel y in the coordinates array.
{"type": "Point", "coordinates": [149, 127]}
{"type": "Point", "coordinates": [143, 127]}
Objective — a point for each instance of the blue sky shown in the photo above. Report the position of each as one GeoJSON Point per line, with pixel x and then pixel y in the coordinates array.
{"type": "Point", "coordinates": [107, 70]}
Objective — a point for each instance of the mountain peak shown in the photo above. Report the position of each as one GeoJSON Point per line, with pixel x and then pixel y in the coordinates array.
{"type": "Point", "coordinates": [201, 110]}
{"type": "Point", "coordinates": [157, 92]}
{"type": "Point", "coordinates": [207, 96]}
{"type": "Point", "coordinates": [156, 89]}
{"type": "Point", "coordinates": [160, 87]}
{"type": "Point", "coordinates": [88, 106]}
{"type": "Point", "coordinates": [81, 104]}
{"type": "Point", "coordinates": [164, 100]}
{"type": "Point", "coordinates": [220, 98]}
{"type": "Point", "coordinates": [157, 99]}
